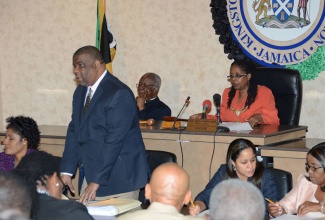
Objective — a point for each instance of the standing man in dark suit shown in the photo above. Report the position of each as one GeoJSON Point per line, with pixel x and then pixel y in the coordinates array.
{"type": "Point", "coordinates": [103, 137]}
{"type": "Point", "coordinates": [148, 103]}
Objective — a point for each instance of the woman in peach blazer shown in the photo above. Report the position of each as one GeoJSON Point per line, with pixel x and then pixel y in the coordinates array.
{"type": "Point", "coordinates": [307, 198]}
{"type": "Point", "coordinates": [245, 100]}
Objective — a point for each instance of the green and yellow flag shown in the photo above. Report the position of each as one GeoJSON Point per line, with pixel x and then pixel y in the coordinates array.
{"type": "Point", "coordinates": [105, 41]}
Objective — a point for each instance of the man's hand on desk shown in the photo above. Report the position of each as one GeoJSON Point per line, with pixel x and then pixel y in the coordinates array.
{"type": "Point", "coordinates": [89, 194]}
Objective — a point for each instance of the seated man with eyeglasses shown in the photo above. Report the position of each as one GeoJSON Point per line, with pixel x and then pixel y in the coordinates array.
{"type": "Point", "coordinates": [245, 100]}
{"type": "Point", "coordinates": [148, 103]}
{"type": "Point", "coordinates": [307, 198]}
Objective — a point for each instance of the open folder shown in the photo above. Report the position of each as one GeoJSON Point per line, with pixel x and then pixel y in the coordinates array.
{"type": "Point", "coordinates": [112, 207]}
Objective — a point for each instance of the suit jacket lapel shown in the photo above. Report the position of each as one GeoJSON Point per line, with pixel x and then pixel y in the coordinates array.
{"type": "Point", "coordinates": [79, 110]}
{"type": "Point", "coordinates": [94, 99]}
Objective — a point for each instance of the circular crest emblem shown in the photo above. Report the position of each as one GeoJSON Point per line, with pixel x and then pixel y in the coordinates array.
{"type": "Point", "coordinates": [281, 32]}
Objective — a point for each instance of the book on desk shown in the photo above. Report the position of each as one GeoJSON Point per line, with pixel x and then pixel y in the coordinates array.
{"type": "Point", "coordinates": [112, 207]}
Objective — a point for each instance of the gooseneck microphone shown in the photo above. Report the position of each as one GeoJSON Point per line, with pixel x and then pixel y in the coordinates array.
{"type": "Point", "coordinates": [186, 102]}
{"type": "Point", "coordinates": [217, 100]}
{"type": "Point", "coordinates": [206, 106]}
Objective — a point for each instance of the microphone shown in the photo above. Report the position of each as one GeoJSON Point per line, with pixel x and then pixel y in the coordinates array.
{"type": "Point", "coordinates": [186, 102]}
{"type": "Point", "coordinates": [217, 99]}
{"type": "Point", "coordinates": [206, 106]}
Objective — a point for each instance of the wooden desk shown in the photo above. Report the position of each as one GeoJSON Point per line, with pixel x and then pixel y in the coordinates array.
{"type": "Point", "coordinates": [194, 150]}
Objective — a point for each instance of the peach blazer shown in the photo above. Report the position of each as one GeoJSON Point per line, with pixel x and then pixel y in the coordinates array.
{"type": "Point", "coordinates": [303, 191]}
{"type": "Point", "coordinates": [264, 105]}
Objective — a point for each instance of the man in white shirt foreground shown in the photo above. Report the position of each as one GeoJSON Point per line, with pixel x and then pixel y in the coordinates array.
{"type": "Point", "coordinates": [167, 191]}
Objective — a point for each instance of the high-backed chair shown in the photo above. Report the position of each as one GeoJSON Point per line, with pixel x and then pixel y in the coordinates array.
{"type": "Point", "coordinates": [286, 86]}
{"type": "Point", "coordinates": [156, 158]}
{"type": "Point", "coordinates": [283, 181]}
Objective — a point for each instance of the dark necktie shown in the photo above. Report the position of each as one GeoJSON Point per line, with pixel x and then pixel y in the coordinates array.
{"type": "Point", "coordinates": [87, 100]}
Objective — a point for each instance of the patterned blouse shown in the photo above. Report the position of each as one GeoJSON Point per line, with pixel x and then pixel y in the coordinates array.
{"type": "Point", "coordinates": [7, 162]}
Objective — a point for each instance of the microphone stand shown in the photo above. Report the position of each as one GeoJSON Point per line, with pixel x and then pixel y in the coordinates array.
{"type": "Point", "coordinates": [219, 127]}
{"type": "Point", "coordinates": [186, 101]}
{"type": "Point", "coordinates": [204, 114]}
{"type": "Point", "coordinates": [218, 114]}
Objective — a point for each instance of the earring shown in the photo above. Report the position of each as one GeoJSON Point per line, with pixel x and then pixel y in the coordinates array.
{"type": "Point", "coordinates": [233, 167]}
{"type": "Point", "coordinates": [57, 184]}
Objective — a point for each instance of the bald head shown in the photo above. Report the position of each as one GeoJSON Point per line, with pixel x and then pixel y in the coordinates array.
{"type": "Point", "coordinates": [169, 184]}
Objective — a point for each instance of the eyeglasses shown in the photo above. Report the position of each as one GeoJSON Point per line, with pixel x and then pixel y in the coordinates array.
{"type": "Point", "coordinates": [143, 86]}
{"type": "Point", "coordinates": [235, 76]}
{"type": "Point", "coordinates": [312, 168]}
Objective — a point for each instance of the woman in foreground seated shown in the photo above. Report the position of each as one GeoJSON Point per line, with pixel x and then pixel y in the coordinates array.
{"type": "Point", "coordinates": [40, 172]}
{"type": "Point", "coordinates": [307, 198]}
{"type": "Point", "coordinates": [22, 137]}
{"type": "Point", "coordinates": [245, 100]}
{"type": "Point", "coordinates": [241, 163]}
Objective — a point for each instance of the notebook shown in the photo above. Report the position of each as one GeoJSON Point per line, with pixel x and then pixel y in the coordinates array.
{"type": "Point", "coordinates": [112, 207]}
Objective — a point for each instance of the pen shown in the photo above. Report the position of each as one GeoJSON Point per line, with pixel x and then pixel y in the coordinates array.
{"type": "Point", "coordinates": [192, 203]}
{"type": "Point", "coordinates": [269, 200]}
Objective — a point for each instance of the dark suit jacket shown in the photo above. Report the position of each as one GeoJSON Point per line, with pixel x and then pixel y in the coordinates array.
{"type": "Point", "coordinates": [268, 186]}
{"type": "Point", "coordinates": [51, 208]}
{"type": "Point", "coordinates": [155, 109]}
{"type": "Point", "coordinates": [107, 139]}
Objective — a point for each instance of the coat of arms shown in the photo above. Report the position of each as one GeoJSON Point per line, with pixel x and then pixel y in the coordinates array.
{"type": "Point", "coordinates": [282, 16]}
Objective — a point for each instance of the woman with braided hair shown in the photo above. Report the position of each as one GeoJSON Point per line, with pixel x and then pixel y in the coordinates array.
{"type": "Point", "coordinates": [245, 100]}
{"type": "Point", "coordinates": [39, 171]}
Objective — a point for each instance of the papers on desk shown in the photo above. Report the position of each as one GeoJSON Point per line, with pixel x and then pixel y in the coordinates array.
{"type": "Point", "coordinates": [112, 207]}
{"type": "Point", "coordinates": [312, 215]}
{"type": "Point", "coordinates": [233, 126]}
{"type": "Point", "coordinates": [205, 212]}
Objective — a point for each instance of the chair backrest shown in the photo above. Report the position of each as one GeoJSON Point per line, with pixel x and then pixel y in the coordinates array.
{"type": "Point", "coordinates": [156, 158]}
{"type": "Point", "coordinates": [286, 86]}
{"type": "Point", "coordinates": [283, 181]}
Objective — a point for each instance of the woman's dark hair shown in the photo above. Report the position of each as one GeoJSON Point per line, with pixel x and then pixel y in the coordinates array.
{"type": "Point", "coordinates": [318, 152]}
{"type": "Point", "coordinates": [234, 150]}
{"type": "Point", "coordinates": [34, 168]}
{"type": "Point", "coordinates": [27, 128]}
{"type": "Point", "coordinates": [248, 68]}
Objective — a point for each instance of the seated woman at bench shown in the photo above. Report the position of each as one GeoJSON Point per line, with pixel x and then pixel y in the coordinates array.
{"type": "Point", "coordinates": [241, 163]}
